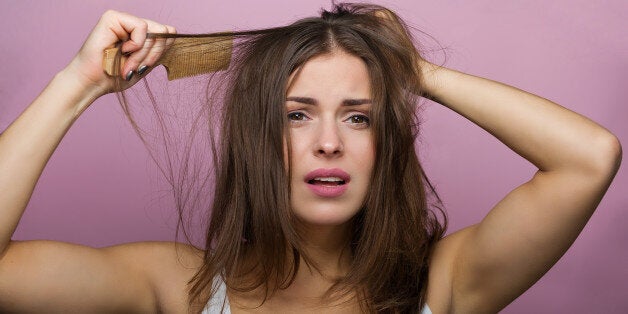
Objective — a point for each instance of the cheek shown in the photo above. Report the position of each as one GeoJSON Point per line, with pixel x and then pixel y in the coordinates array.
{"type": "Point", "coordinates": [366, 152]}
{"type": "Point", "coordinates": [293, 153]}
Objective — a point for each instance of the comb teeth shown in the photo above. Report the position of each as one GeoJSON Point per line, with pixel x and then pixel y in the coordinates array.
{"type": "Point", "coordinates": [195, 56]}
{"type": "Point", "coordinates": [188, 56]}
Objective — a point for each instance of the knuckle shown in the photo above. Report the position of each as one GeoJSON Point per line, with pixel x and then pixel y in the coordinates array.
{"type": "Point", "coordinates": [110, 13]}
{"type": "Point", "coordinates": [132, 58]}
{"type": "Point", "coordinates": [158, 48]}
{"type": "Point", "coordinates": [160, 44]}
{"type": "Point", "coordinates": [150, 60]}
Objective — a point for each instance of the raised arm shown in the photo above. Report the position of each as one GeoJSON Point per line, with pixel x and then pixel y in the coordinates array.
{"type": "Point", "coordinates": [495, 261]}
{"type": "Point", "coordinates": [44, 276]}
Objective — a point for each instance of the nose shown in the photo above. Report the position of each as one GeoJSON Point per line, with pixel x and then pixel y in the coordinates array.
{"type": "Point", "coordinates": [329, 142]}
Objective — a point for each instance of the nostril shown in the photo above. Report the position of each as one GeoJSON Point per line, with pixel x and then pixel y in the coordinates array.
{"type": "Point", "coordinates": [329, 148]}
{"type": "Point", "coordinates": [329, 152]}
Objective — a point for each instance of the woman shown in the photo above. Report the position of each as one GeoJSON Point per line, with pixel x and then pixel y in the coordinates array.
{"type": "Point", "coordinates": [343, 223]}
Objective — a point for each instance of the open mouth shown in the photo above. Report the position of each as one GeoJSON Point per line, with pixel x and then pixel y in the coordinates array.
{"type": "Point", "coordinates": [327, 181]}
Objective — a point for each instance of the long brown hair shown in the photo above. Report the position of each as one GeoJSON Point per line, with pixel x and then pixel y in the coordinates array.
{"type": "Point", "coordinates": [395, 231]}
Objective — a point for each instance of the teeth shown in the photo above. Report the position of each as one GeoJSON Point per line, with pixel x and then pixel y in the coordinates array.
{"type": "Point", "coordinates": [329, 179]}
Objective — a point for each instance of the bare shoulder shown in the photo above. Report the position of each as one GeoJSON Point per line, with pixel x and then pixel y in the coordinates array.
{"type": "Point", "coordinates": [50, 276]}
{"type": "Point", "coordinates": [168, 266]}
{"type": "Point", "coordinates": [169, 256]}
{"type": "Point", "coordinates": [442, 269]}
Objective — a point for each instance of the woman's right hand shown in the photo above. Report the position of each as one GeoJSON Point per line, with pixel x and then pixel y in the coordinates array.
{"type": "Point", "coordinates": [139, 52]}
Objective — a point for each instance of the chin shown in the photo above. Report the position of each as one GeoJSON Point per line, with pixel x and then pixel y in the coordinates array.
{"type": "Point", "coordinates": [324, 216]}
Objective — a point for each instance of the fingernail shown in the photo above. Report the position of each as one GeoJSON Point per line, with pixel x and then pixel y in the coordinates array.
{"type": "Point", "coordinates": [142, 69]}
{"type": "Point", "coordinates": [129, 75]}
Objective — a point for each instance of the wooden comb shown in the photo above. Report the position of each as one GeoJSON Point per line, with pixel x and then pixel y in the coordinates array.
{"type": "Point", "coordinates": [187, 56]}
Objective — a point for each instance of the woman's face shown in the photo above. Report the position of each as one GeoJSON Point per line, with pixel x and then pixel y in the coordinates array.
{"type": "Point", "coordinates": [329, 106]}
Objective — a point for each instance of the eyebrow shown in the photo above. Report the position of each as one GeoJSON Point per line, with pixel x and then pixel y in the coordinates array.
{"type": "Point", "coordinates": [314, 102]}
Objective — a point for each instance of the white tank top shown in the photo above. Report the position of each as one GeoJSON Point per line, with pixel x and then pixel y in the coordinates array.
{"type": "Point", "coordinates": [219, 304]}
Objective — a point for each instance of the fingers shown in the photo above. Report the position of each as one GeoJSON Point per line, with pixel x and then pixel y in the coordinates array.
{"type": "Point", "coordinates": [141, 58]}
{"type": "Point", "coordinates": [140, 52]}
{"type": "Point", "coordinates": [112, 28]}
{"type": "Point", "coordinates": [125, 27]}
{"type": "Point", "coordinates": [384, 14]}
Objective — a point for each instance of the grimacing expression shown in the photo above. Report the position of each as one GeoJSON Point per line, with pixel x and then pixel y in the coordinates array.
{"type": "Point", "coordinates": [328, 104]}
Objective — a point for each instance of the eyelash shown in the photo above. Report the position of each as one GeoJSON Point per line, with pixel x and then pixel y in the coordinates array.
{"type": "Point", "coordinates": [364, 118]}
{"type": "Point", "coordinates": [298, 116]}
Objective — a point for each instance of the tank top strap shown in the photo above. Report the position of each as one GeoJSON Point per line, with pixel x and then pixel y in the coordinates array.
{"type": "Point", "coordinates": [218, 304]}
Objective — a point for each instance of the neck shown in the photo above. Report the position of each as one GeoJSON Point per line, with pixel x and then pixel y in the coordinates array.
{"type": "Point", "coordinates": [328, 251]}
{"type": "Point", "coordinates": [327, 248]}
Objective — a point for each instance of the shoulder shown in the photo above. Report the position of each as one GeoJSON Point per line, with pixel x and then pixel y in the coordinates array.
{"type": "Point", "coordinates": [157, 254]}
{"type": "Point", "coordinates": [167, 266]}
{"type": "Point", "coordinates": [443, 268]}
{"type": "Point", "coordinates": [144, 277]}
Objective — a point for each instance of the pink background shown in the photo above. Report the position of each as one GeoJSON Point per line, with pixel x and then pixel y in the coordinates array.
{"type": "Point", "coordinates": [100, 187]}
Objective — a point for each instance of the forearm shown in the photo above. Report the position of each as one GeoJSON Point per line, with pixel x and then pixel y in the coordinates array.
{"type": "Point", "coordinates": [546, 134]}
{"type": "Point", "coordinates": [27, 144]}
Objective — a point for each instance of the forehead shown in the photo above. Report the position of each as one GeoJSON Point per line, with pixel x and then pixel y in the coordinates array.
{"type": "Point", "coordinates": [333, 74]}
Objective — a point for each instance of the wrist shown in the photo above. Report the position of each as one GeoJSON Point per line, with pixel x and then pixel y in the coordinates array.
{"type": "Point", "coordinates": [78, 93]}
{"type": "Point", "coordinates": [88, 84]}
{"type": "Point", "coordinates": [429, 73]}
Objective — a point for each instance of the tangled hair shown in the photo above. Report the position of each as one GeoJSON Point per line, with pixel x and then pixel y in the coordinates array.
{"type": "Point", "coordinates": [252, 240]}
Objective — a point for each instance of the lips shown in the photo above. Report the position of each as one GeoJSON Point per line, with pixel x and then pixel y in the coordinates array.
{"type": "Point", "coordinates": [328, 182]}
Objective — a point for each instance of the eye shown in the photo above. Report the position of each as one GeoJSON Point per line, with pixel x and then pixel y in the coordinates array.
{"type": "Point", "coordinates": [297, 116]}
{"type": "Point", "coordinates": [359, 119]}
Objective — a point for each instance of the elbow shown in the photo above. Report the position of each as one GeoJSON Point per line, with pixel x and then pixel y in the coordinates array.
{"type": "Point", "coordinates": [617, 154]}
{"type": "Point", "coordinates": [607, 159]}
